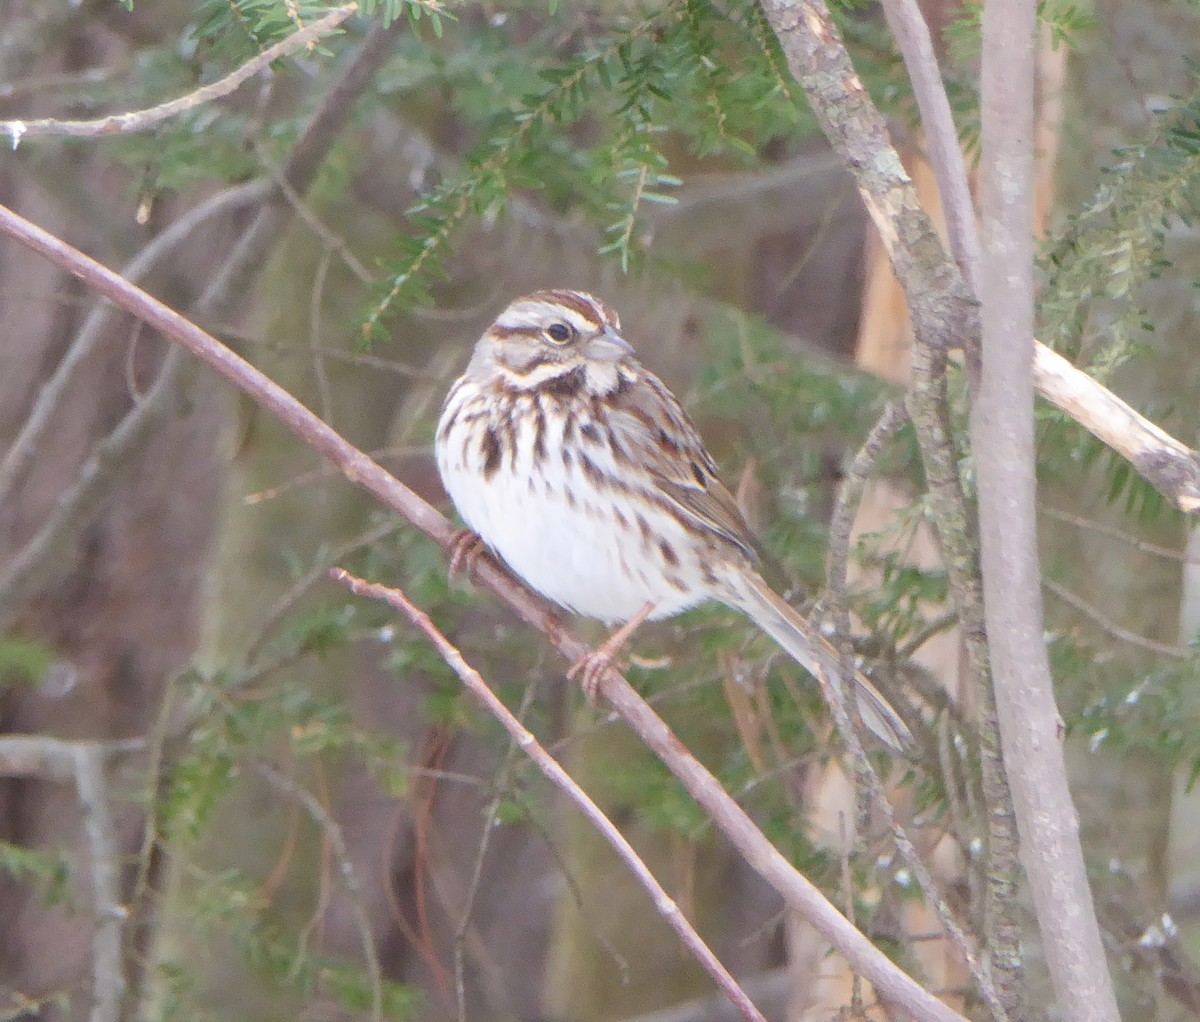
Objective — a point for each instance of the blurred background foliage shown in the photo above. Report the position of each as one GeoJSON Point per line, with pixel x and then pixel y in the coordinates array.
{"type": "Point", "coordinates": [321, 823]}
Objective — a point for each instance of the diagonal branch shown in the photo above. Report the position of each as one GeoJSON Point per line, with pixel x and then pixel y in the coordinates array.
{"type": "Point", "coordinates": [552, 770]}
{"type": "Point", "coordinates": [38, 562]}
{"type": "Point", "coordinates": [799, 893]}
{"type": "Point", "coordinates": [52, 393]}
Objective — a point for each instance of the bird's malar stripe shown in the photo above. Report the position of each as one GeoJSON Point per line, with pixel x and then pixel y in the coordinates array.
{"type": "Point", "coordinates": [566, 385]}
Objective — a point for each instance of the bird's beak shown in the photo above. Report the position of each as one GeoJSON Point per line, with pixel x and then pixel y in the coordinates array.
{"type": "Point", "coordinates": [610, 346]}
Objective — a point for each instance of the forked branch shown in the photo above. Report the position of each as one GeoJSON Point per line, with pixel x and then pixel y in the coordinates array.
{"type": "Point", "coordinates": [552, 770]}
{"type": "Point", "coordinates": [944, 311]}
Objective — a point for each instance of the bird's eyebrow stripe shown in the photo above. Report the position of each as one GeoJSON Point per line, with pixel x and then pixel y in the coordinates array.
{"type": "Point", "coordinates": [504, 332]}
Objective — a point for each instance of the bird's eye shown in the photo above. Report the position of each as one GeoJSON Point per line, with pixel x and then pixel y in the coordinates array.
{"type": "Point", "coordinates": [560, 333]}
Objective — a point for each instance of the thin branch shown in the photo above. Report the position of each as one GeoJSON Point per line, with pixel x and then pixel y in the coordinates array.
{"type": "Point", "coordinates": [328, 471]}
{"type": "Point", "coordinates": [553, 771]}
{"type": "Point", "coordinates": [1112, 628]}
{"type": "Point", "coordinates": [836, 599]}
{"type": "Point", "coordinates": [504, 779]}
{"type": "Point", "coordinates": [797, 891]}
{"type": "Point", "coordinates": [890, 422]}
{"type": "Point", "coordinates": [337, 841]}
{"type": "Point", "coordinates": [299, 171]}
{"type": "Point", "coordinates": [52, 393]}
{"type": "Point", "coordinates": [941, 137]}
{"type": "Point", "coordinates": [318, 572]}
{"type": "Point", "coordinates": [38, 562]}
{"type": "Point", "coordinates": [726, 814]}
{"type": "Point", "coordinates": [332, 241]}
{"type": "Point", "coordinates": [930, 630]}
{"type": "Point", "coordinates": [143, 120]}
{"type": "Point", "coordinates": [37, 85]}
{"type": "Point", "coordinates": [1140, 545]}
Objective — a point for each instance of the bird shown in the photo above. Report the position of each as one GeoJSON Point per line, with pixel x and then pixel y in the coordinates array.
{"type": "Point", "coordinates": [581, 471]}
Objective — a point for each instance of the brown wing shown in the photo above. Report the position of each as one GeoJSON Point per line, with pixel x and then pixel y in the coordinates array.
{"type": "Point", "coordinates": [651, 425]}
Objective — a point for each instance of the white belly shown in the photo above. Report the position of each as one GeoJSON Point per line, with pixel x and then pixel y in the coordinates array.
{"type": "Point", "coordinates": [572, 549]}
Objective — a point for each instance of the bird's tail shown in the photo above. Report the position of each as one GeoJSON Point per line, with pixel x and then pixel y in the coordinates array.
{"type": "Point", "coordinates": [750, 594]}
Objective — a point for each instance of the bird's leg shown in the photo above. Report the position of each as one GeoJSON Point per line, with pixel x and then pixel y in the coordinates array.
{"type": "Point", "coordinates": [466, 547]}
{"type": "Point", "coordinates": [591, 667]}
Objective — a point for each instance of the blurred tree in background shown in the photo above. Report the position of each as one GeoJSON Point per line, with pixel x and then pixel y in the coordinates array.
{"type": "Point", "coordinates": [306, 815]}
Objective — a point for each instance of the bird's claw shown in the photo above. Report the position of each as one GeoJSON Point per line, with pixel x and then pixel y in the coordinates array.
{"type": "Point", "coordinates": [466, 547]}
{"type": "Point", "coordinates": [595, 664]}
{"type": "Point", "coordinates": [589, 671]}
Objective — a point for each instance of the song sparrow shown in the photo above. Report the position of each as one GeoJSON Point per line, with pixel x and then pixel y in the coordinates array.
{"type": "Point", "coordinates": [582, 471]}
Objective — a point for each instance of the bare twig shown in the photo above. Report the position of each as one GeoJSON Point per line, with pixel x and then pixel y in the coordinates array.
{"type": "Point", "coordinates": [503, 781]}
{"type": "Point", "coordinates": [889, 422]}
{"type": "Point", "coordinates": [51, 394]}
{"type": "Point", "coordinates": [1140, 545]}
{"type": "Point", "coordinates": [327, 472]}
{"type": "Point", "coordinates": [841, 525]}
{"type": "Point", "coordinates": [332, 241]}
{"type": "Point", "coordinates": [38, 561]}
{"type": "Point", "coordinates": [341, 851]}
{"type": "Point", "coordinates": [299, 171]}
{"type": "Point", "coordinates": [554, 772]}
{"type": "Point", "coordinates": [931, 630]}
{"type": "Point", "coordinates": [912, 33]}
{"type": "Point", "coordinates": [41, 84]}
{"type": "Point", "coordinates": [295, 592]}
{"type": "Point", "coordinates": [143, 120]}
{"type": "Point", "coordinates": [1081, 605]}
{"type": "Point", "coordinates": [726, 814]}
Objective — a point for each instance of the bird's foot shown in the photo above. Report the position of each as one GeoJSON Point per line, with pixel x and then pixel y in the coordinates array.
{"type": "Point", "coordinates": [591, 668]}
{"type": "Point", "coordinates": [466, 547]}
